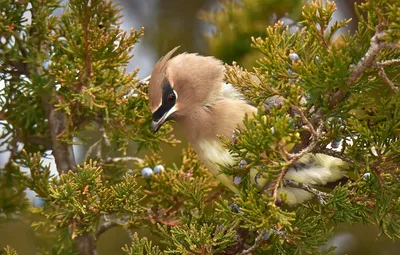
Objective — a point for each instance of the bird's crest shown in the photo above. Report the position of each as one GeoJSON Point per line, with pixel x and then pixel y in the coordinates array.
{"type": "Point", "coordinates": [157, 78]}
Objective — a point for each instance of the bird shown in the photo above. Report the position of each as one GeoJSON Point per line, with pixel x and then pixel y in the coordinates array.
{"type": "Point", "coordinates": [190, 89]}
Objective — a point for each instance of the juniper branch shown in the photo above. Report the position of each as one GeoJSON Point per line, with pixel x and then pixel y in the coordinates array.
{"type": "Point", "coordinates": [123, 159]}
{"type": "Point", "coordinates": [294, 158]}
{"type": "Point", "coordinates": [376, 45]}
{"type": "Point", "coordinates": [321, 196]}
{"type": "Point", "coordinates": [106, 139]}
{"type": "Point", "coordinates": [110, 224]}
{"type": "Point", "coordinates": [91, 148]}
{"type": "Point", "coordinates": [386, 79]}
{"type": "Point", "coordinates": [142, 82]}
{"type": "Point", "coordinates": [390, 62]}
{"type": "Point", "coordinates": [256, 244]}
{"type": "Point", "coordinates": [282, 233]}
{"type": "Point", "coordinates": [306, 121]}
{"type": "Point", "coordinates": [335, 154]}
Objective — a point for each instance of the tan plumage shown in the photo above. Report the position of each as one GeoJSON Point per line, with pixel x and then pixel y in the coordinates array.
{"type": "Point", "coordinates": [189, 89]}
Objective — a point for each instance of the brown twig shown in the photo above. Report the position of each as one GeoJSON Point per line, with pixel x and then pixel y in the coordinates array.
{"type": "Point", "coordinates": [123, 159]}
{"type": "Point", "coordinates": [319, 194]}
{"type": "Point", "coordinates": [282, 233]}
{"type": "Point", "coordinates": [310, 147]}
{"type": "Point", "coordinates": [106, 139]}
{"type": "Point", "coordinates": [256, 244]}
{"type": "Point", "coordinates": [88, 56]}
{"type": "Point", "coordinates": [294, 157]}
{"type": "Point", "coordinates": [281, 176]}
{"type": "Point", "coordinates": [142, 82]}
{"type": "Point", "coordinates": [305, 120]}
{"type": "Point", "coordinates": [386, 79]}
{"type": "Point", "coordinates": [322, 35]}
{"type": "Point", "coordinates": [91, 148]}
{"type": "Point", "coordinates": [110, 224]}
{"type": "Point", "coordinates": [390, 62]}
{"type": "Point", "coordinates": [376, 45]}
{"type": "Point", "coordinates": [335, 154]}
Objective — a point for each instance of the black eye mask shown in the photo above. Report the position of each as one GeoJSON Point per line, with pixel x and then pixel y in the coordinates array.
{"type": "Point", "coordinates": [168, 101]}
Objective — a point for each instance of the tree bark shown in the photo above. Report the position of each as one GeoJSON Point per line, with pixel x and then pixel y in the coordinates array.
{"type": "Point", "coordinates": [62, 151]}
{"type": "Point", "coordinates": [65, 160]}
{"type": "Point", "coordinates": [85, 244]}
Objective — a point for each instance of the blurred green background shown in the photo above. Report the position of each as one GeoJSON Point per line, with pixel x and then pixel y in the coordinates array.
{"type": "Point", "coordinates": [169, 23]}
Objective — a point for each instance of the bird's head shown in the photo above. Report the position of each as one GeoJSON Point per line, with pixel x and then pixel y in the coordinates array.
{"type": "Point", "coordinates": [181, 84]}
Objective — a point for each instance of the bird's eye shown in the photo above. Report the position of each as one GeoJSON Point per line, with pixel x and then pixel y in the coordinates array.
{"type": "Point", "coordinates": [171, 98]}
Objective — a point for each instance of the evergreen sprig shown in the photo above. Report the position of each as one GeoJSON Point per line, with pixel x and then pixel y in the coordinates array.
{"type": "Point", "coordinates": [65, 75]}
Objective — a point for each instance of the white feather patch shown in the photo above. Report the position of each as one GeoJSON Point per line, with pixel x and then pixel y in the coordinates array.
{"type": "Point", "coordinates": [322, 170]}
{"type": "Point", "coordinates": [215, 154]}
{"type": "Point", "coordinates": [294, 196]}
{"type": "Point", "coordinates": [228, 91]}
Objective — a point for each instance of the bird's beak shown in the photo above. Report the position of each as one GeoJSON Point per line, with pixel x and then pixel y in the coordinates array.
{"type": "Point", "coordinates": [157, 121]}
{"type": "Point", "coordinates": [156, 125]}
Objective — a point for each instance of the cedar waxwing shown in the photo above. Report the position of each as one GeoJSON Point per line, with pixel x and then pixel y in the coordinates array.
{"type": "Point", "coordinates": [190, 89]}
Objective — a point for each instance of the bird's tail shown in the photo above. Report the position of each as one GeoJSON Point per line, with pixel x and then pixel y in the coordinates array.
{"type": "Point", "coordinates": [312, 169]}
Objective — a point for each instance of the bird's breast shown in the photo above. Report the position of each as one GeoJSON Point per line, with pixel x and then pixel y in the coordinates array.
{"type": "Point", "coordinates": [212, 153]}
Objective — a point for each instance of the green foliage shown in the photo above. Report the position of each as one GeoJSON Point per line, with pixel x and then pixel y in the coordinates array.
{"type": "Point", "coordinates": [12, 192]}
{"type": "Point", "coordinates": [65, 76]}
{"type": "Point", "coordinates": [193, 238]}
{"type": "Point", "coordinates": [181, 209]}
{"type": "Point", "coordinates": [10, 251]}
{"type": "Point", "coordinates": [39, 174]}
{"type": "Point", "coordinates": [78, 200]}
{"type": "Point", "coordinates": [80, 58]}
{"type": "Point", "coordinates": [328, 90]}
{"type": "Point", "coordinates": [81, 198]}
{"type": "Point", "coordinates": [237, 21]}
{"type": "Point", "coordinates": [190, 185]}
{"type": "Point", "coordinates": [141, 247]}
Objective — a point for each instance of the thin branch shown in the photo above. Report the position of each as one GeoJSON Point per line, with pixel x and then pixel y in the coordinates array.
{"type": "Point", "coordinates": [145, 81]}
{"type": "Point", "coordinates": [256, 244]}
{"type": "Point", "coordinates": [105, 136]}
{"type": "Point", "coordinates": [282, 233]}
{"type": "Point", "coordinates": [142, 82]}
{"type": "Point", "coordinates": [335, 154]}
{"type": "Point", "coordinates": [319, 194]}
{"type": "Point", "coordinates": [62, 151]}
{"type": "Point", "coordinates": [305, 120]}
{"type": "Point", "coordinates": [110, 224]}
{"type": "Point", "coordinates": [322, 35]}
{"type": "Point", "coordinates": [281, 176]}
{"type": "Point", "coordinates": [294, 158]}
{"type": "Point", "coordinates": [99, 150]}
{"type": "Point", "coordinates": [97, 144]}
{"type": "Point", "coordinates": [387, 63]}
{"type": "Point", "coordinates": [124, 159]}
{"type": "Point", "coordinates": [91, 148]}
{"type": "Point", "coordinates": [376, 45]}
{"type": "Point", "coordinates": [386, 79]}
{"type": "Point", "coordinates": [311, 146]}
{"type": "Point", "coordinates": [131, 234]}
